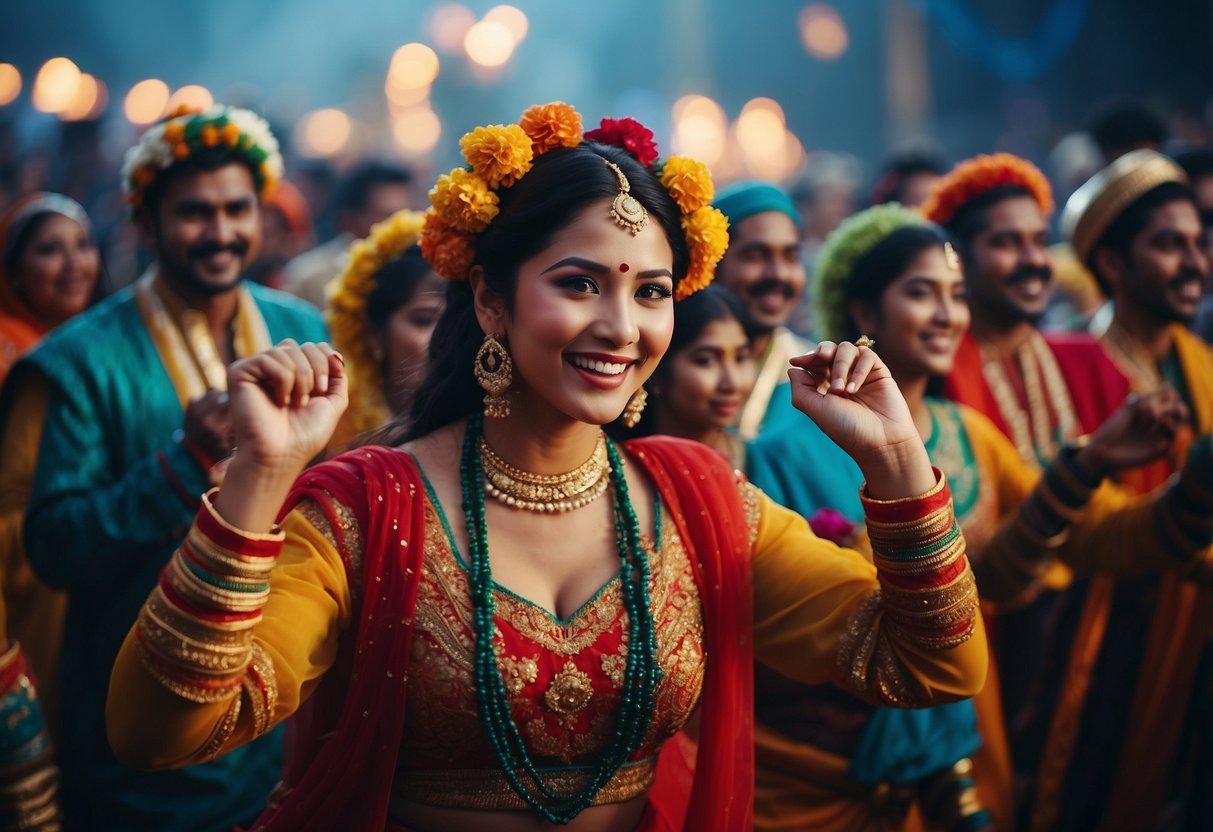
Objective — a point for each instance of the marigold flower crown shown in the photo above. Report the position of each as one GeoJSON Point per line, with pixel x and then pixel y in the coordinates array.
{"type": "Point", "coordinates": [347, 317]}
{"type": "Point", "coordinates": [186, 132]}
{"type": "Point", "coordinates": [973, 177]}
{"type": "Point", "coordinates": [464, 202]}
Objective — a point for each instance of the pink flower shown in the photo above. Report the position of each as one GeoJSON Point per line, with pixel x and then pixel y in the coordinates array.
{"type": "Point", "coordinates": [629, 134]}
{"type": "Point", "coordinates": [832, 525]}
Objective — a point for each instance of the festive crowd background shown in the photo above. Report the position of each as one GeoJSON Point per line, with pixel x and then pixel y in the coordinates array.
{"type": "Point", "coordinates": [818, 114]}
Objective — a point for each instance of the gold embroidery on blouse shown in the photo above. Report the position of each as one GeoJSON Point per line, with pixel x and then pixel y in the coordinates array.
{"type": "Point", "coordinates": [346, 538]}
{"type": "Point", "coordinates": [570, 690]}
{"type": "Point", "coordinates": [866, 664]}
{"type": "Point", "coordinates": [752, 502]}
{"type": "Point", "coordinates": [488, 789]}
{"type": "Point", "coordinates": [441, 696]}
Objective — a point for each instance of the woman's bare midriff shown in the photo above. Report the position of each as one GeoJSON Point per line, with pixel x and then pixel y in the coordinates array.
{"type": "Point", "coordinates": [611, 817]}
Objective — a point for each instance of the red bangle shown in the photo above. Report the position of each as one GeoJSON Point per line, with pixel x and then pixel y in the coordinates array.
{"type": "Point", "coordinates": [200, 456]}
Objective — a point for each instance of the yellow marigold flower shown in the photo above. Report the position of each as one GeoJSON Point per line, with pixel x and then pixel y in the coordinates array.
{"type": "Point", "coordinates": [551, 125]}
{"type": "Point", "coordinates": [448, 251]}
{"type": "Point", "coordinates": [230, 134]}
{"type": "Point", "coordinates": [174, 131]}
{"type": "Point", "coordinates": [688, 181]}
{"type": "Point", "coordinates": [499, 154]}
{"type": "Point", "coordinates": [707, 233]}
{"type": "Point", "coordinates": [463, 201]}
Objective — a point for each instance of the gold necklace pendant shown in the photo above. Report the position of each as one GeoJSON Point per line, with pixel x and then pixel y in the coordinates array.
{"type": "Point", "coordinates": [546, 493]}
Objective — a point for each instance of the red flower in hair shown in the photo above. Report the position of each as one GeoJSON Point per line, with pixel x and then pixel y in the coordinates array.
{"type": "Point", "coordinates": [629, 134]}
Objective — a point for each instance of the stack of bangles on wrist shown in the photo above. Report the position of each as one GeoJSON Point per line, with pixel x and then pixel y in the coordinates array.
{"type": "Point", "coordinates": [195, 632]}
{"type": "Point", "coordinates": [1185, 515]}
{"type": "Point", "coordinates": [29, 781]}
{"type": "Point", "coordinates": [928, 589]}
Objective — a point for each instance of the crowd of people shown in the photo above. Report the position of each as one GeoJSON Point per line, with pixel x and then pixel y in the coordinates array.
{"type": "Point", "coordinates": [588, 493]}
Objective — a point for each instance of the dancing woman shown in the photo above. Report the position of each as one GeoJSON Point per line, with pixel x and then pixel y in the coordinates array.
{"type": "Point", "coordinates": [504, 621]}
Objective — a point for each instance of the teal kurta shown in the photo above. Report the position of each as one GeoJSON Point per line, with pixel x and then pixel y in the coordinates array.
{"type": "Point", "coordinates": [103, 520]}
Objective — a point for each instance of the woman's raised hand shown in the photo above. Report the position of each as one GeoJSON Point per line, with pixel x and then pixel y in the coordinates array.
{"type": "Point", "coordinates": [285, 403]}
{"type": "Point", "coordinates": [850, 393]}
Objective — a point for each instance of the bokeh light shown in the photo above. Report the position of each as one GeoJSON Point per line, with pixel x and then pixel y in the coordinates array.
{"type": "Point", "coordinates": [89, 102]}
{"type": "Point", "coordinates": [146, 101]}
{"type": "Point", "coordinates": [193, 96]}
{"type": "Point", "coordinates": [700, 128]}
{"type": "Point", "coordinates": [511, 18]}
{"type": "Point", "coordinates": [449, 24]}
{"type": "Point", "coordinates": [823, 31]}
{"type": "Point", "coordinates": [323, 133]}
{"type": "Point", "coordinates": [55, 85]}
{"type": "Point", "coordinates": [760, 130]}
{"type": "Point", "coordinates": [489, 43]}
{"type": "Point", "coordinates": [417, 130]}
{"type": "Point", "coordinates": [10, 83]}
{"type": "Point", "coordinates": [414, 66]}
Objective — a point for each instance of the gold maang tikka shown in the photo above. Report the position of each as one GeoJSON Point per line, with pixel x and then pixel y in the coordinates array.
{"type": "Point", "coordinates": [951, 257]}
{"type": "Point", "coordinates": [626, 209]}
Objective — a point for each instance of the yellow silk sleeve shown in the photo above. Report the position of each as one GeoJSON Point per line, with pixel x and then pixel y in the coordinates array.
{"type": "Point", "coordinates": [818, 618]}
{"type": "Point", "coordinates": [308, 608]}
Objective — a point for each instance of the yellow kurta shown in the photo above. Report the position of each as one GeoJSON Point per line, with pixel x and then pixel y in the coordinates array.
{"type": "Point", "coordinates": [813, 610]}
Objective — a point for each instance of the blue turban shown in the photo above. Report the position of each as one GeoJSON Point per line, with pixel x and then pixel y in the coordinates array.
{"type": "Point", "coordinates": [742, 200]}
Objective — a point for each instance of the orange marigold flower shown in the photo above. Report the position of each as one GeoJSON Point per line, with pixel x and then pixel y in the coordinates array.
{"type": "Point", "coordinates": [181, 151]}
{"type": "Point", "coordinates": [464, 201]}
{"type": "Point", "coordinates": [210, 136]}
{"type": "Point", "coordinates": [143, 176]}
{"type": "Point", "coordinates": [174, 131]}
{"type": "Point", "coordinates": [688, 181]}
{"type": "Point", "coordinates": [230, 134]}
{"type": "Point", "coordinates": [450, 252]}
{"type": "Point", "coordinates": [972, 178]}
{"type": "Point", "coordinates": [183, 110]}
{"type": "Point", "coordinates": [707, 233]}
{"type": "Point", "coordinates": [499, 154]}
{"type": "Point", "coordinates": [551, 125]}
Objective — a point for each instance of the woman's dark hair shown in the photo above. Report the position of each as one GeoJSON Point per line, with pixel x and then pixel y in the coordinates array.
{"type": "Point", "coordinates": [395, 285]}
{"type": "Point", "coordinates": [562, 183]}
{"type": "Point", "coordinates": [884, 263]}
{"type": "Point", "coordinates": [691, 317]}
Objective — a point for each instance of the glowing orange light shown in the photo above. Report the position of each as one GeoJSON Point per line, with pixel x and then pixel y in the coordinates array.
{"type": "Point", "coordinates": [417, 130]}
{"type": "Point", "coordinates": [699, 128]}
{"type": "Point", "coordinates": [88, 102]}
{"type": "Point", "coordinates": [823, 31]}
{"type": "Point", "coordinates": [449, 24]}
{"type": "Point", "coordinates": [489, 43]}
{"type": "Point", "coordinates": [512, 18]}
{"type": "Point", "coordinates": [146, 101]}
{"type": "Point", "coordinates": [10, 83]}
{"type": "Point", "coordinates": [413, 65]}
{"type": "Point", "coordinates": [323, 133]}
{"type": "Point", "coordinates": [55, 85]}
{"type": "Point", "coordinates": [193, 96]}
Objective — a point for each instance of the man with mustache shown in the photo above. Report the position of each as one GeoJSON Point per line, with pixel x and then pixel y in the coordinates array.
{"type": "Point", "coordinates": [1040, 390]}
{"type": "Point", "coordinates": [763, 267]}
{"type": "Point", "coordinates": [1117, 751]}
{"type": "Point", "coordinates": [128, 409]}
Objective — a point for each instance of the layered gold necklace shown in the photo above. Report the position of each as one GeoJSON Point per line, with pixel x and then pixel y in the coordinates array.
{"type": "Point", "coordinates": [546, 493]}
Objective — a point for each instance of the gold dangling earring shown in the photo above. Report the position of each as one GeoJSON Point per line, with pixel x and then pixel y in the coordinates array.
{"type": "Point", "coordinates": [635, 407]}
{"type": "Point", "coordinates": [494, 370]}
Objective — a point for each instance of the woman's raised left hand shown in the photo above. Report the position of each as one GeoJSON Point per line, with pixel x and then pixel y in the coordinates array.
{"type": "Point", "coordinates": [850, 393]}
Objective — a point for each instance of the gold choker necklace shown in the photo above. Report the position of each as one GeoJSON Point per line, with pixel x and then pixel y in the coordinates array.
{"type": "Point", "coordinates": [546, 493]}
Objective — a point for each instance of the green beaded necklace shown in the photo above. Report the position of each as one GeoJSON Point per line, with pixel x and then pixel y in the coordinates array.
{"type": "Point", "coordinates": [640, 673]}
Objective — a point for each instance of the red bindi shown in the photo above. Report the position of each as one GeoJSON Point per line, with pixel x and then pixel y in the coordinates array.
{"type": "Point", "coordinates": [623, 267]}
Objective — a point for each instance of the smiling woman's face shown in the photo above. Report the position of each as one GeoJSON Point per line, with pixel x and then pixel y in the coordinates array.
{"type": "Point", "coordinates": [593, 314]}
{"type": "Point", "coordinates": [707, 380]}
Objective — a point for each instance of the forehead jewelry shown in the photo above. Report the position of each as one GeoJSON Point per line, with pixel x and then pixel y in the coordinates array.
{"type": "Point", "coordinates": [951, 257]}
{"type": "Point", "coordinates": [626, 209]}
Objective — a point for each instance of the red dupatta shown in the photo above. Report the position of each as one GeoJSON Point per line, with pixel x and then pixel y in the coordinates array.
{"type": "Point", "coordinates": [343, 743]}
